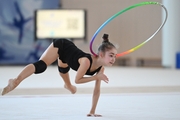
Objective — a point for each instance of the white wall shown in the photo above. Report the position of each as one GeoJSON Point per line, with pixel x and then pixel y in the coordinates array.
{"type": "Point", "coordinates": [171, 36]}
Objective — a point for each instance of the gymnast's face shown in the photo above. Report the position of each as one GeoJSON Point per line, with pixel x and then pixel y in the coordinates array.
{"type": "Point", "coordinates": [109, 57]}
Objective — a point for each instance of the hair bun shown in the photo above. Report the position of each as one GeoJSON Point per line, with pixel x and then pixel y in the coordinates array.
{"type": "Point", "coordinates": [105, 38]}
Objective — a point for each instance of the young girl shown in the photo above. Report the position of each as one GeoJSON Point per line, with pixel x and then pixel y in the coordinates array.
{"type": "Point", "coordinates": [69, 56]}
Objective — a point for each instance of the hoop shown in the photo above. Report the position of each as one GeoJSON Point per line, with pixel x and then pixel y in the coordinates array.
{"type": "Point", "coordinates": [119, 13]}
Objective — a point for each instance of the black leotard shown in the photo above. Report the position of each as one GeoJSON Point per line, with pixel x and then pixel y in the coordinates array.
{"type": "Point", "coordinates": [70, 54]}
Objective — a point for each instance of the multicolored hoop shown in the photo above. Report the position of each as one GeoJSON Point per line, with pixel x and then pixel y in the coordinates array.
{"type": "Point", "coordinates": [119, 13]}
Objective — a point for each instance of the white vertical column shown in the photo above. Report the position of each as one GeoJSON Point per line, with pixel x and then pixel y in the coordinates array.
{"type": "Point", "coordinates": [171, 33]}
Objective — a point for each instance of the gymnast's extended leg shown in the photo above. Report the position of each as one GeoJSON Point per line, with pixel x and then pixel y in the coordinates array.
{"type": "Point", "coordinates": [64, 73]}
{"type": "Point", "coordinates": [47, 58]}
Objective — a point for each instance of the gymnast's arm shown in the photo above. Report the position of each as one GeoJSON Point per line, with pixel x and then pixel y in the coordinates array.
{"type": "Point", "coordinates": [84, 66]}
{"type": "Point", "coordinates": [95, 98]}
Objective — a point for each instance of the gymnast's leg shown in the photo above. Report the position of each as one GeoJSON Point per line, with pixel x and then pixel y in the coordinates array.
{"type": "Point", "coordinates": [47, 58]}
{"type": "Point", "coordinates": [64, 73]}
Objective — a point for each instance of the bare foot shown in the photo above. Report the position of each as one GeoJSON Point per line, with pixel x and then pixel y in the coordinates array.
{"type": "Point", "coordinates": [11, 85]}
{"type": "Point", "coordinates": [71, 88]}
{"type": "Point", "coordinates": [93, 115]}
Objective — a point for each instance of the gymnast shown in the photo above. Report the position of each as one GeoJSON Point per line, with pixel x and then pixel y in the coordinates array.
{"type": "Point", "coordinates": [69, 56]}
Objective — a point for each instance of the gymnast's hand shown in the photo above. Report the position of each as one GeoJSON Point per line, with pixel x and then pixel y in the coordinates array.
{"type": "Point", "coordinates": [93, 115]}
{"type": "Point", "coordinates": [101, 76]}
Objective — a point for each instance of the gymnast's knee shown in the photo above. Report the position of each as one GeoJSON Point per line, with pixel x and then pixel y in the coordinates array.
{"type": "Point", "coordinates": [40, 66]}
{"type": "Point", "coordinates": [64, 70]}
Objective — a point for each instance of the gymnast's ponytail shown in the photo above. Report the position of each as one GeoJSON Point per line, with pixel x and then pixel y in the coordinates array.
{"type": "Point", "coordinates": [106, 45]}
